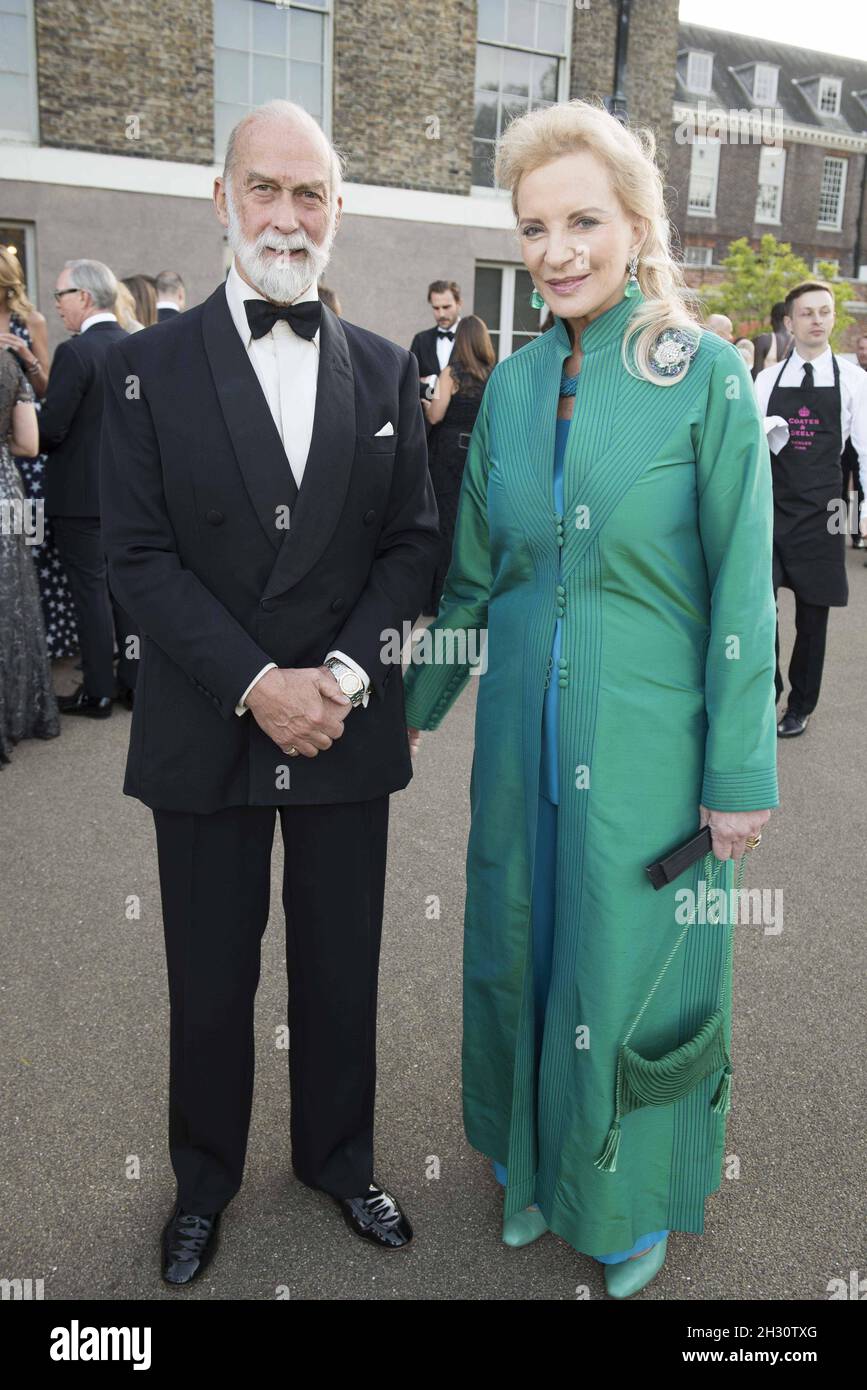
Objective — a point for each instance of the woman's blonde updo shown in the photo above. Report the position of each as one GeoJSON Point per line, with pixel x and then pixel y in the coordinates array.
{"type": "Point", "coordinates": [552, 131]}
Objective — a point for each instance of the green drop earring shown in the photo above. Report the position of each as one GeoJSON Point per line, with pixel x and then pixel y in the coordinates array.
{"type": "Point", "coordinates": [632, 286]}
{"type": "Point", "coordinates": [536, 300]}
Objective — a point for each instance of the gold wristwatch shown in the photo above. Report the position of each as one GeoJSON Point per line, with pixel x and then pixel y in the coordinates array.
{"type": "Point", "coordinates": [349, 681]}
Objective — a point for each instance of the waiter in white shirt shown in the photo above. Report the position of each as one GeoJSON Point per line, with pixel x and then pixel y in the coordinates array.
{"type": "Point", "coordinates": [819, 401]}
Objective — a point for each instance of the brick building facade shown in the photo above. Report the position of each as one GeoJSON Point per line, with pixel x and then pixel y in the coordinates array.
{"type": "Point", "coordinates": [117, 112]}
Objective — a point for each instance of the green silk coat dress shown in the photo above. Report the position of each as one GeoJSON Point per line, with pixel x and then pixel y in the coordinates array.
{"type": "Point", "coordinates": [660, 570]}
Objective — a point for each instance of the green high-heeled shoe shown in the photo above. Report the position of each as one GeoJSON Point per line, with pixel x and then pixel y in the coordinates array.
{"type": "Point", "coordinates": [524, 1227]}
{"type": "Point", "coordinates": [629, 1276]}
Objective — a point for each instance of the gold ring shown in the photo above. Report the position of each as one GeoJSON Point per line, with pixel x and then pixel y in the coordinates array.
{"type": "Point", "coordinates": [754, 841]}
{"type": "Point", "coordinates": [292, 751]}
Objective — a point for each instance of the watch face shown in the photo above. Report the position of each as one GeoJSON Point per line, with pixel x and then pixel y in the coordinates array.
{"type": "Point", "coordinates": [350, 683]}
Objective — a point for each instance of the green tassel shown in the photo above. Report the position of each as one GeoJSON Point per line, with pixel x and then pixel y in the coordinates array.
{"type": "Point", "coordinates": [722, 1101]}
{"type": "Point", "coordinates": [607, 1160]}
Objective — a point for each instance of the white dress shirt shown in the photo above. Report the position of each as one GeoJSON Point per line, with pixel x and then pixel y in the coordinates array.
{"type": "Point", "coordinates": [445, 345]}
{"type": "Point", "coordinates": [853, 400]}
{"type": "Point", "coordinates": [287, 367]}
{"type": "Point", "coordinates": [101, 316]}
{"type": "Point", "coordinates": [167, 304]}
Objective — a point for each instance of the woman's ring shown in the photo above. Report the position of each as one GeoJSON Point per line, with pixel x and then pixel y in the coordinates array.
{"type": "Point", "coordinates": [754, 841]}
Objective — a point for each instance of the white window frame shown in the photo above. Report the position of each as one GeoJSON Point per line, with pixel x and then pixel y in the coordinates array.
{"type": "Point", "coordinates": [767, 153]}
{"type": "Point", "coordinates": [327, 11]}
{"type": "Point", "coordinates": [771, 73]}
{"type": "Point", "coordinates": [29, 230]}
{"type": "Point", "coordinates": [564, 62]}
{"type": "Point", "coordinates": [829, 86]}
{"type": "Point", "coordinates": [714, 174]}
{"type": "Point", "coordinates": [15, 137]}
{"type": "Point", "coordinates": [700, 262]}
{"type": "Point", "coordinates": [692, 64]}
{"type": "Point", "coordinates": [838, 225]}
{"type": "Point", "coordinates": [505, 336]}
{"type": "Point", "coordinates": [832, 260]}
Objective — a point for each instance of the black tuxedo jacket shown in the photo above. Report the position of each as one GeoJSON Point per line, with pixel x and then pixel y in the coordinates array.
{"type": "Point", "coordinates": [195, 484]}
{"type": "Point", "coordinates": [163, 314]}
{"type": "Point", "coordinates": [70, 419]}
{"type": "Point", "coordinates": [424, 349]}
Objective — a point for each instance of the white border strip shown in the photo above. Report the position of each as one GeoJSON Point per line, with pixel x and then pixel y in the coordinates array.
{"type": "Point", "coordinates": [166, 178]}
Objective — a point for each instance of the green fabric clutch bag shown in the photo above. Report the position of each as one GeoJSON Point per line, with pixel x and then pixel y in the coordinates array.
{"type": "Point", "coordinates": [664, 1080]}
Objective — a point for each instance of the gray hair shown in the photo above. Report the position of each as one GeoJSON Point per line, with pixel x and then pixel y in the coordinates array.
{"type": "Point", "coordinates": [169, 282]}
{"type": "Point", "coordinates": [97, 279]}
{"type": "Point", "coordinates": [279, 109]}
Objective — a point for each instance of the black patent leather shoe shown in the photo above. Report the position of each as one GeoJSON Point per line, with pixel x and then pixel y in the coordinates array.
{"type": "Point", "coordinates": [79, 702]}
{"type": "Point", "coordinates": [189, 1243]}
{"type": "Point", "coordinates": [792, 724]}
{"type": "Point", "coordinates": [377, 1218]}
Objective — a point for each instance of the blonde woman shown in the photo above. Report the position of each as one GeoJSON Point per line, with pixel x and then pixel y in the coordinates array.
{"type": "Point", "coordinates": [614, 543]}
{"type": "Point", "coordinates": [124, 309]}
{"type": "Point", "coordinates": [24, 331]}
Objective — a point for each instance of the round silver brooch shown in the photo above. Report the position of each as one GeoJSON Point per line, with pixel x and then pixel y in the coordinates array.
{"type": "Point", "coordinates": [672, 349]}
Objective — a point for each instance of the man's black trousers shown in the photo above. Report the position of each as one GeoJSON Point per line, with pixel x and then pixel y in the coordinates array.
{"type": "Point", "coordinates": [215, 884]}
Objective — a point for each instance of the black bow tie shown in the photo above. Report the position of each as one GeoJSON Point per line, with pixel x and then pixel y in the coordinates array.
{"type": "Point", "coordinates": [445, 333]}
{"type": "Point", "coordinates": [302, 318]}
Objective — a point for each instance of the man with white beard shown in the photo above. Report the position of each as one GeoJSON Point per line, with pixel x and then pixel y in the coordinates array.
{"type": "Point", "coordinates": [267, 514]}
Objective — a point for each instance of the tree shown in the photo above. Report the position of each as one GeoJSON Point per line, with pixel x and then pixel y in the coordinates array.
{"type": "Point", "coordinates": [756, 280]}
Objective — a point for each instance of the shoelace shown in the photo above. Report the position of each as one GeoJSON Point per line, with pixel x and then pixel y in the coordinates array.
{"type": "Point", "coordinates": [380, 1206]}
{"type": "Point", "coordinates": [189, 1241]}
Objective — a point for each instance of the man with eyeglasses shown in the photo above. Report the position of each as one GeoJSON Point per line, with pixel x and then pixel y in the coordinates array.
{"type": "Point", "coordinates": [70, 423]}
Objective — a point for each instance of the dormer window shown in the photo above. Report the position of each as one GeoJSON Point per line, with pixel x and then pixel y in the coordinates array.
{"type": "Point", "coordinates": [828, 101]}
{"type": "Point", "coordinates": [765, 84]}
{"type": "Point", "coordinates": [699, 72]}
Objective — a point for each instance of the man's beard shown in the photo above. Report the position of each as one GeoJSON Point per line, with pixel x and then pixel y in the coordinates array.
{"type": "Point", "coordinates": [279, 282]}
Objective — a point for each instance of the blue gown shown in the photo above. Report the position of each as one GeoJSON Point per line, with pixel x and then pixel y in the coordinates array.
{"type": "Point", "coordinates": [544, 877]}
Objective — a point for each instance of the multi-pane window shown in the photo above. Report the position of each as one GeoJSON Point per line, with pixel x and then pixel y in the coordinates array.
{"type": "Point", "coordinates": [18, 118]}
{"type": "Point", "coordinates": [832, 193]}
{"type": "Point", "coordinates": [703, 176]}
{"type": "Point", "coordinates": [829, 96]}
{"type": "Point", "coordinates": [17, 239]}
{"type": "Point", "coordinates": [264, 50]}
{"type": "Point", "coordinates": [520, 64]}
{"type": "Point", "coordinates": [502, 299]}
{"type": "Point", "coordinates": [698, 255]}
{"type": "Point", "coordinates": [769, 199]}
{"type": "Point", "coordinates": [699, 71]}
{"type": "Point", "coordinates": [765, 84]}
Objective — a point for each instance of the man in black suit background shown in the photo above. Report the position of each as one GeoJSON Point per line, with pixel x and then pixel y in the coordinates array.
{"type": "Point", "coordinates": [69, 432]}
{"type": "Point", "coordinates": [269, 520]}
{"type": "Point", "coordinates": [432, 347]}
{"type": "Point", "coordinates": [171, 295]}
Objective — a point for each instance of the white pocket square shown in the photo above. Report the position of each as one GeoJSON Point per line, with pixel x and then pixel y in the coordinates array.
{"type": "Point", "coordinates": [387, 428]}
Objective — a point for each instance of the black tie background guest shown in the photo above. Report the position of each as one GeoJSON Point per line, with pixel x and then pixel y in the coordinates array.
{"type": "Point", "coordinates": [69, 430]}
{"type": "Point", "coordinates": [171, 295]}
{"type": "Point", "coordinates": [823, 400]}
{"type": "Point", "coordinates": [432, 347]}
{"type": "Point", "coordinates": [453, 410]}
{"type": "Point", "coordinates": [268, 510]}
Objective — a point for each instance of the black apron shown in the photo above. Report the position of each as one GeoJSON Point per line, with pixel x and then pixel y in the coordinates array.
{"type": "Point", "coordinates": [808, 557]}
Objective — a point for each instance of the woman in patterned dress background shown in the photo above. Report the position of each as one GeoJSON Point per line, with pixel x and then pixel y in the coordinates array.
{"type": "Point", "coordinates": [23, 330]}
